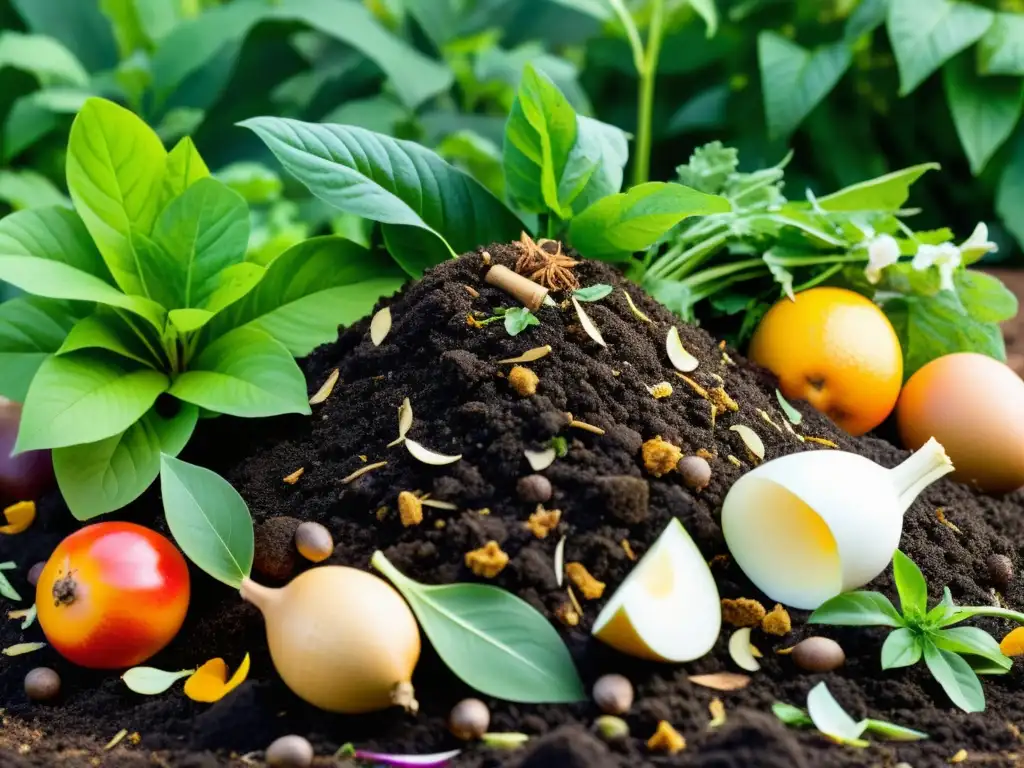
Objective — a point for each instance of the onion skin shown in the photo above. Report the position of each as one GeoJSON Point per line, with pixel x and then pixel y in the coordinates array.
{"type": "Point", "coordinates": [24, 477]}
{"type": "Point", "coordinates": [342, 639]}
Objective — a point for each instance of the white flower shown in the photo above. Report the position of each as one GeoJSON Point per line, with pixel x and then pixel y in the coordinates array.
{"type": "Point", "coordinates": [883, 251]}
{"type": "Point", "coordinates": [945, 257]}
{"type": "Point", "coordinates": [977, 245]}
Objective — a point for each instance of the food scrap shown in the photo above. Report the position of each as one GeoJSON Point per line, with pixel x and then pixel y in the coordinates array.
{"type": "Point", "coordinates": [940, 513]}
{"type": "Point", "coordinates": [567, 614]}
{"type": "Point", "coordinates": [362, 471]}
{"type": "Point", "coordinates": [487, 561]}
{"type": "Point", "coordinates": [543, 521]}
{"type": "Point", "coordinates": [523, 380]}
{"type": "Point", "coordinates": [742, 612]}
{"type": "Point", "coordinates": [589, 587]}
{"type": "Point", "coordinates": [628, 549]}
{"type": "Point", "coordinates": [777, 622]}
{"type": "Point", "coordinates": [325, 389]}
{"type": "Point", "coordinates": [210, 682]}
{"type": "Point", "coordinates": [717, 711]}
{"type": "Point", "coordinates": [410, 509]}
{"type": "Point", "coordinates": [660, 390]}
{"type": "Point", "coordinates": [19, 517]}
{"type": "Point", "coordinates": [666, 739]}
{"type": "Point", "coordinates": [293, 478]}
{"type": "Point", "coordinates": [660, 456]}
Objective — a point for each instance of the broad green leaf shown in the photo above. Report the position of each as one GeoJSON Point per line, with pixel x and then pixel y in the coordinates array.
{"type": "Point", "coordinates": [592, 292]}
{"type": "Point", "coordinates": [231, 285]}
{"type": "Point", "coordinates": [184, 168]}
{"type": "Point", "coordinates": [310, 290]}
{"type": "Point", "coordinates": [477, 156]}
{"type": "Point", "coordinates": [115, 167]}
{"type": "Point", "coordinates": [886, 193]}
{"type": "Point", "coordinates": [1001, 50]}
{"type": "Point", "coordinates": [911, 586]}
{"type": "Point", "coordinates": [196, 43]}
{"type": "Point", "coordinates": [791, 715]}
{"type": "Point", "coordinates": [108, 330]}
{"type": "Point", "coordinates": [205, 230]}
{"type": "Point", "coordinates": [985, 297]}
{"type": "Point", "coordinates": [31, 329]}
{"type": "Point", "coordinates": [244, 373]}
{"type": "Point", "coordinates": [83, 398]}
{"type": "Point", "coordinates": [794, 80]}
{"type": "Point", "coordinates": [615, 227]}
{"type": "Point", "coordinates": [829, 717]}
{"type": "Point", "coordinates": [495, 65]}
{"type": "Point", "coordinates": [80, 26]}
{"type": "Point", "coordinates": [257, 183]}
{"type": "Point", "coordinates": [708, 11]}
{"type": "Point", "coordinates": [48, 252]}
{"type": "Point", "coordinates": [380, 113]}
{"type": "Point", "coordinates": [28, 189]}
{"type": "Point", "coordinates": [126, 25]}
{"type": "Point", "coordinates": [150, 681]}
{"type": "Point", "coordinates": [1011, 191]}
{"type": "Point", "coordinates": [37, 114]}
{"type": "Point", "coordinates": [956, 677]}
{"type": "Point", "coordinates": [985, 109]}
{"type": "Point", "coordinates": [492, 640]}
{"type": "Point", "coordinates": [208, 520]}
{"type": "Point", "coordinates": [973, 641]}
{"type": "Point", "coordinates": [925, 35]}
{"type": "Point", "coordinates": [397, 183]}
{"type": "Point", "coordinates": [518, 319]}
{"type": "Point", "coordinates": [902, 648]}
{"type": "Point", "coordinates": [857, 609]}
{"type": "Point", "coordinates": [101, 477]}
{"type": "Point", "coordinates": [868, 16]}
{"type": "Point", "coordinates": [552, 156]}
{"type": "Point", "coordinates": [44, 57]}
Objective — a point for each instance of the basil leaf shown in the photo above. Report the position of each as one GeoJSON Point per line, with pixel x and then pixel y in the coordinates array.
{"type": "Point", "coordinates": [593, 292]}
{"type": "Point", "coordinates": [790, 715]}
{"type": "Point", "coordinates": [492, 640]}
{"type": "Point", "coordinates": [101, 477]}
{"type": "Point", "coordinates": [956, 677]}
{"type": "Point", "coordinates": [974, 641]}
{"type": "Point", "coordinates": [244, 373]}
{"type": "Point", "coordinates": [984, 296]}
{"type": "Point", "coordinates": [518, 319]}
{"type": "Point", "coordinates": [310, 290]}
{"type": "Point", "coordinates": [902, 648]}
{"type": "Point", "coordinates": [85, 397]}
{"type": "Point", "coordinates": [925, 36]}
{"type": "Point", "coordinates": [108, 330]}
{"type": "Point", "coordinates": [115, 167]}
{"type": "Point", "coordinates": [1000, 51]}
{"type": "Point", "coordinates": [208, 520]}
{"type": "Point", "coordinates": [31, 329]}
{"type": "Point", "coordinates": [404, 186]}
{"type": "Point", "coordinates": [890, 731]}
{"type": "Point", "coordinates": [885, 193]}
{"type": "Point", "coordinates": [184, 168]}
{"type": "Point", "coordinates": [942, 610]}
{"type": "Point", "coordinates": [618, 225]}
{"type": "Point", "coordinates": [911, 586]}
{"type": "Point", "coordinates": [829, 717]}
{"type": "Point", "coordinates": [857, 609]}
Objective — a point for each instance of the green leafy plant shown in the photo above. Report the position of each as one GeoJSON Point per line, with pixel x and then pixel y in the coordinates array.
{"type": "Point", "coordinates": [518, 319]}
{"type": "Point", "coordinates": [955, 656]}
{"type": "Point", "coordinates": [144, 315]}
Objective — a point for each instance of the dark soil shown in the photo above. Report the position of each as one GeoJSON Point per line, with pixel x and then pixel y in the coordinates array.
{"type": "Point", "coordinates": [463, 404]}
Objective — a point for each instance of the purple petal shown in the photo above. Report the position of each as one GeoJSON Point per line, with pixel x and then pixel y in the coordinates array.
{"type": "Point", "coordinates": [409, 761]}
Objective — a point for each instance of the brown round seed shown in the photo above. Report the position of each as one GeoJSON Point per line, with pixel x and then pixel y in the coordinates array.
{"type": "Point", "coordinates": [314, 542]}
{"type": "Point", "coordinates": [534, 489]}
{"type": "Point", "coordinates": [696, 472]}
{"type": "Point", "coordinates": [469, 719]}
{"type": "Point", "coordinates": [42, 684]}
{"type": "Point", "coordinates": [290, 752]}
{"type": "Point", "coordinates": [34, 573]}
{"type": "Point", "coordinates": [818, 654]}
{"type": "Point", "coordinates": [1000, 571]}
{"type": "Point", "coordinates": [613, 694]}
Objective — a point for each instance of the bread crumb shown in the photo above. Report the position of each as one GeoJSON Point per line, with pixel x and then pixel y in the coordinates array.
{"type": "Point", "coordinates": [660, 390]}
{"type": "Point", "coordinates": [660, 456]}
{"type": "Point", "coordinates": [777, 622]}
{"type": "Point", "coordinates": [523, 380]}
{"type": "Point", "coordinates": [410, 509]}
{"type": "Point", "coordinates": [543, 521]}
{"type": "Point", "coordinates": [666, 739]}
{"type": "Point", "coordinates": [567, 614]}
{"type": "Point", "coordinates": [742, 612]}
{"type": "Point", "coordinates": [721, 398]}
{"type": "Point", "coordinates": [488, 561]}
{"type": "Point", "coordinates": [589, 587]}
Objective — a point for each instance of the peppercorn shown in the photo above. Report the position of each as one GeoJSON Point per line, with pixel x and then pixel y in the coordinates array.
{"type": "Point", "coordinates": [42, 684]}
{"type": "Point", "coordinates": [696, 472]}
{"type": "Point", "coordinates": [314, 542]}
{"type": "Point", "coordinates": [534, 489]}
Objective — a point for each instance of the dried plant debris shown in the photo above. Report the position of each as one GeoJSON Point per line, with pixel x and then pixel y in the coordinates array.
{"type": "Point", "coordinates": [717, 711]}
{"type": "Point", "coordinates": [750, 439]}
{"type": "Point", "coordinates": [543, 521]}
{"type": "Point", "coordinates": [666, 739]}
{"type": "Point", "coordinates": [560, 561]}
{"type": "Point", "coordinates": [540, 460]}
{"type": "Point", "coordinates": [404, 422]}
{"type": "Point", "coordinates": [530, 355]}
{"type": "Point", "coordinates": [428, 456]}
{"type": "Point", "coordinates": [660, 390]}
{"type": "Point", "coordinates": [681, 360]}
{"type": "Point", "coordinates": [589, 587]}
{"type": "Point", "coordinates": [380, 326]}
{"type": "Point", "coordinates": [721, 681]}
{"type": "Point", "coordinates": [362, 471]}
{"type": "Point", "coordinates": [634, 309]}
{"type": "Point", "coordinates": [588, 324]}
{"type": "Point", "coordinates": [742, 612]}
{"type": "Point", "coordinates": [295, 476]}
{"type": "Point", "coordinates": [410, 509]}
{"type": "Point", "coordinates": [325, 389]}
{"type": "Point", "coordinates": [523, 381]}
{"type": "Point", "coordinates": [577, 424]}
{"type": "Point", "coordinates": [20, 649]}
{"type": "Point", "coordinates": [940, 513]}
{"type": "Point", "coordinates": [544, 263]}
{"type": "Point", "coordinates": [487, 561]}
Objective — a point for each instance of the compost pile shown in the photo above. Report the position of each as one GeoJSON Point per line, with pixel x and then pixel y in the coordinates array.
{"type": "Point", "coordinates": [464, 404]}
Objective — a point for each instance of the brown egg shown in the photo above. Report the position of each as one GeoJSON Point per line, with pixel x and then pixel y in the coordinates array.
{"type": "Point", "coordinates": [974, 406]}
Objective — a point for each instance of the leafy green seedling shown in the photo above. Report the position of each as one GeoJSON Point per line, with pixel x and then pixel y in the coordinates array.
{"type": "Point", "coordinates": [825, 713]}
{"type": "Point", "coordinates": [143, 313]}
{"type": "Point", "coordinates": [593, 292]}
{"type": "Point", "coordinates": [518, 319]}
{"type": "Point", "coordinates": [954, 655]}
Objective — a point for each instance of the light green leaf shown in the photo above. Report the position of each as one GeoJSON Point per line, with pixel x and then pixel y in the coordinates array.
{"type": "Point", "coordinates": [150, 681]}
{"type": "Point", "coordinates": [244, 373]}
{"type": "Point", "coordinates": [615, 227]}
{"type": "Point", "coordinates": [205, 230]}
{"type": "Point", "coordinates": [518, 319]}
{"type": "Point", "coordinates": [31, 329]}
{"type": "Point", "coordinates": [257, 183]}
{"type": "Point", "coordinates": [794, 416]}
{"type": "Point", "coordinates": [956, 677]}
{"type": "Point", "coordinates": [1011, 191]}
{"type": "Point", "coordinates": [1001, 50]}
{"type": "Point", "coordinates": [43, 56]}
{"type": "Point", "coordinates": [707, 11]}
{"type": "Point", "coordinates": [911, 586]}
{"type": "Point", "coordinates": [101, 477]}
{"type": "Point", "coordinates": [901, 648]}
{"type": "Point", "coordinates": [184, 168]}
{"type": "Point", "coordinates": [593, 292]}
{"type": "Point", "coordinates": [857, 609]}
{"type": "Point", "coordinates": [310, 290]}
{"type": "Point", "coordinates": [985, 297]}
{"type": "Point", "coordinates": [791, 715]}
{"type": "Point", "coordinates": [945, 607]}
{"type": "Point", "coordinates": [6, 588]}
{"type": "Point", "coordinates": [115, 168]}
{"type": "Point", "coordinates": [794, 80]}
{"type": "Point", "coordinates": [208, 519]}
{"type": "Point", "coordinates": [985, 109]}
{"type": "Point", "coordinates": [925, 35]}
{"type": "Point", "coordinates": [26, 188]}
{"type": "Point", "coordinates": [82, 398]}
{"type": "Point", "coordinates": [973, 641]}
{"type": "Point", "coordinates": [829, 717]}
{"type": "Point", "coordinates": [398, 183]}
{"type": "Point", "coordinates": [492, 640]}
{"type": "Point", "coordinates": [886, 193]}
{"type": "Point", "coordinates": [890, 731]}
{"type": "Point", "coordinates": [868, 16]}
{"type": "Point", "coordinates": [108, 330]}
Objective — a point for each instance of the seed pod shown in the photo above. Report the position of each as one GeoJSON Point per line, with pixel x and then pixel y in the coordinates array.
{"type": "Point", "coordinates": [696, 472]}
{"type": "Point", "coordinates": [314, 542]}
{"type": "Point", "coordinates": [1000, 571]}
{"type": "Point", "coordinates": [33, 573]}
{"type": "Point", "coordinates": [534, 489]}
{"type": "Point", "coordinates": [290, 752]}
{"type": "Point", "coordinates": [611, 729]}
{"type": "Point", "coordinates": [613, 694]}
{"type": "Point", "coordinates": [42, 684]}
{"type": "Point", "coordinates": [469, 719]}
{"type": "Point", "coordinates": [818, 654]}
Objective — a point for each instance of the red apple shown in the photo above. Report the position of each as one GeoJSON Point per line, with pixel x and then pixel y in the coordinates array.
{"type": "Point", "coordinates": [26, 476]}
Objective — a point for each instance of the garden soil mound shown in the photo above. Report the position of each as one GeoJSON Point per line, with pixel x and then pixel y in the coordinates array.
{"type": "Point", "coordinates": [463, 403]}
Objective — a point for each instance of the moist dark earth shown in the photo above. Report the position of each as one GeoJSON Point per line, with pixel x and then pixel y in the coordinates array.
{"type": "Point", "coordinates": [464, 404]}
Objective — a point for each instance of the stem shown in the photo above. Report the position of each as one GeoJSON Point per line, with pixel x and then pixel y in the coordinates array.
{"type": "Point", "coordinates": [674, 265]}
{"type": "Point", "coordinates": [645, 105]}
{"type": "Point", "coordinates": [969, 611]}
{"type": "Point", "coordinates": [384, 565]}
{"type": "Point", "coordinates": [257, 594]}
{"type": "Point", "coordinates": [632, 34]}
{"type": "Point", "coordinates": [926, 465]}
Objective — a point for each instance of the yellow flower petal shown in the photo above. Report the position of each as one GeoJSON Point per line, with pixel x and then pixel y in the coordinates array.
{"type": "Point", "coordinates": [210, 682]}
{"type": "Point", "coordinates": [19, 517]}
{"type": "Point", "coordinates": [1013, 643]}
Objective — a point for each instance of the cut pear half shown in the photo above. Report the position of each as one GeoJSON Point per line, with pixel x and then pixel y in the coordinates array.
{"type": "Point", "coordinates": [668, 608]}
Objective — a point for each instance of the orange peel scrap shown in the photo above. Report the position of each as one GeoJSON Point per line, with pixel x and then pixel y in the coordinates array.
{"type": "Point", "coordinates": [19, 517]}
{"type": "Point", "coordinates": [1013, 643]}
{"type": "Point", "coordinates": [210, 682]}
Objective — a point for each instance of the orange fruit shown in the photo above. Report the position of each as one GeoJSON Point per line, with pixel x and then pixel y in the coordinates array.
{"type": "Point", "coordinates": [836, 350]}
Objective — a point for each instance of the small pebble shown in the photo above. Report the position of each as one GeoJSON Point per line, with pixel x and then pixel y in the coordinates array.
{"type": "Point", "coordinates": [42, 684]}
{"type": "Point", "coordinates": [1000, 571]}
{"type": "Point", "coordinates": [35, 572]}
{"type": "Point", "coordinates": [818, 654]}
{"type": "Point", "coordinates": [611, 729]}
{"type": "Point", "coordinates": [290, 752]}
{"type": "Point", "coordinates": [696, 472]}
{"type": "Point", "coordinates": [469, 719]}
{"type": "Point", "coordinates": [314, 542]}
{"type": "Point", "coordinates": [534, 489]}
{"type": "Point", "coordinates": [613, 694]}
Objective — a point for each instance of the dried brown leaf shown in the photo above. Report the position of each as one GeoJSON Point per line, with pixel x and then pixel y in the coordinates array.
{"type": "Point", "coordinates": [721, 681]}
